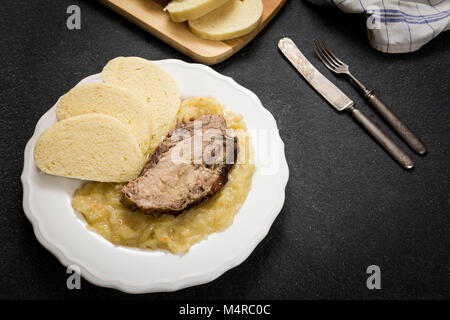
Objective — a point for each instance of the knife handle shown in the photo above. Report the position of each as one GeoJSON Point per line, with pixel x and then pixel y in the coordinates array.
{"type": "Point", "coordinates": [390, 146]}
{"type": "Point", "coordinates": [403, 131]}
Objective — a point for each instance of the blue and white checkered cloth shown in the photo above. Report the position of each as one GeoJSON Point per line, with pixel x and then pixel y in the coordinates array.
{"type": "Point", "coordinates": [396, 26]}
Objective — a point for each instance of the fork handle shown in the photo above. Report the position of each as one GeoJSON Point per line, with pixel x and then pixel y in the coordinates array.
{"type": "Point", "coordinates": [390, 146]}
{"type": "Point", "coordinates": [403, 131]}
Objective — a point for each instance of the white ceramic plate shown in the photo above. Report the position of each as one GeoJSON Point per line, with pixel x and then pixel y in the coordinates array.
{"type": "Point", "coordinates": [46, 202]}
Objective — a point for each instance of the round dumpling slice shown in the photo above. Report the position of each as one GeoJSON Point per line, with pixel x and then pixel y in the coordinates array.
{"type": "Point", "coordinates": [158, 90]}
{"type": "Point", "coordinates": [182, 10]}
{"type": "Point", "coordinates": [92, 146]}
{"type": "Point", "coordinates": [234, 19]}
{"type": "Point", "coordinates": [114, 101]}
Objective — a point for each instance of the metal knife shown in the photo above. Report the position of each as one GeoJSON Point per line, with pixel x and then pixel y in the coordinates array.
{"type": "Point", "coordinates": [340, 101]}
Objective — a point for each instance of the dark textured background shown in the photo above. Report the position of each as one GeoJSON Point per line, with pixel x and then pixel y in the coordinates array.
{"type": "Point", "coordinates": [348, 205]}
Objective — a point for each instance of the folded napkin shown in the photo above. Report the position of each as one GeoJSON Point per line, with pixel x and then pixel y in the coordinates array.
{"type": "Point", "coordinates": [396, 26]}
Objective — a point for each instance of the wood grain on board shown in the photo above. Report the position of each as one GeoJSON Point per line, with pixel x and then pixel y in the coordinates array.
{"type": "Point", "coordinates": [150, 16]}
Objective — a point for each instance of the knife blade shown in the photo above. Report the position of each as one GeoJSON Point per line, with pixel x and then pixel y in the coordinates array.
{"type": "Point", "coordinates": [340, 101]}
{"type": "Point", "coordinates": [325, 87]}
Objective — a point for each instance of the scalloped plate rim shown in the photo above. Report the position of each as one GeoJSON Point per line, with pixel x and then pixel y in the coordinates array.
{"type": "Point", "coordinates": [182, 282]}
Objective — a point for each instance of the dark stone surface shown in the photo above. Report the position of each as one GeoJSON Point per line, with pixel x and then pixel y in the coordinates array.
{"type": "Point", "coordinates": [348, 205]}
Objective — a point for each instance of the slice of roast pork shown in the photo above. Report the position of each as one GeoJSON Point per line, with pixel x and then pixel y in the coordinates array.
{"type": "Point", "coordinates": [189, 166]}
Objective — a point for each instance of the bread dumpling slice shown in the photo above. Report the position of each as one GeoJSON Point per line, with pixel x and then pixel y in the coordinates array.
{"type": "Point", "coordinates": [92, 146]}
{"type": "Point", "coordinates": [114, 101]}
{"type": "Point", "coordinates": [234, 19]}
{"type": "Point", "coordinates": [182, 10]}
{"type": "Point", "coordinates": [158, 90]}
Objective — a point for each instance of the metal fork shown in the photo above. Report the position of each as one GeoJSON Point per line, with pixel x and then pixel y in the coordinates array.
{"type": "Point", "coordinates": [337, 66]}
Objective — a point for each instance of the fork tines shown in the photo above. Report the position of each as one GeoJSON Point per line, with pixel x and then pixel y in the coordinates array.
{"type": "Point", "coordinates": [328, 58]}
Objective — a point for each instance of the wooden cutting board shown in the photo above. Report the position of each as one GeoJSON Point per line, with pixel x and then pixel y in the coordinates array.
{"type": "Point", "coordinates": [150, 16]}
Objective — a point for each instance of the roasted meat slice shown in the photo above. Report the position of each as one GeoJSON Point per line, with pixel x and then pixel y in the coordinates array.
{"type": "Point", "coordinates": [189, 166]}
